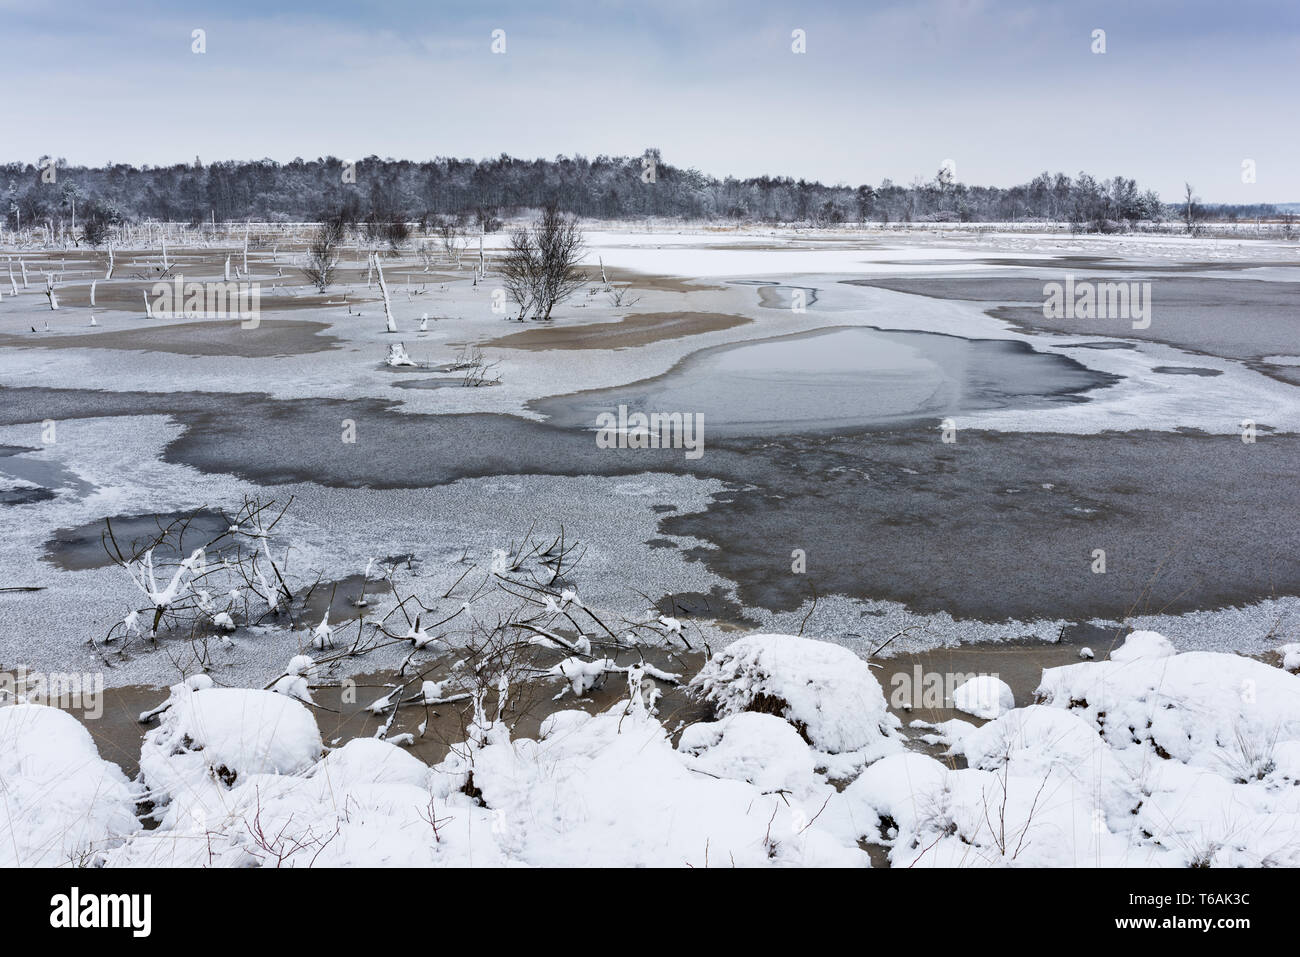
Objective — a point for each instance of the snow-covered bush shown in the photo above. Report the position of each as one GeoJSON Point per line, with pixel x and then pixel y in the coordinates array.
{"type": "Point", "coordinates": [933, 816]}
{"type": "Point", "coordinates": [825, 691]}
{"type": "Point", "coordinates": [212, 738]}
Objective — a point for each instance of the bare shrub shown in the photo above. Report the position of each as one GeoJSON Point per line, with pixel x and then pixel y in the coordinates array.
{"type": "Point", "coordinates": [323, 255]}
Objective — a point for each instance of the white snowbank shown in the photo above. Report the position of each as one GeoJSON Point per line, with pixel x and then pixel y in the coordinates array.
{"type": "Point", "coordinates": [603, 790]}
{"type": "Point", "coordinates": [1146, 759]}
{"type": "Point", "coordinates": [60, 803]}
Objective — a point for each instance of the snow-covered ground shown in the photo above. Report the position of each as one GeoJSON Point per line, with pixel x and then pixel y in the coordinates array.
{"type": "Point", "coordinates": [1149, 758]}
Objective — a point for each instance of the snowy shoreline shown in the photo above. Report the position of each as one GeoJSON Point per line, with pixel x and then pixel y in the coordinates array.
{"type": "Point", "coordinates": [1150, 758]}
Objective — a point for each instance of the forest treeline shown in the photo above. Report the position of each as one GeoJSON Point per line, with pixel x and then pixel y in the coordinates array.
{"type": "Point", "coordinates": [485, 191]}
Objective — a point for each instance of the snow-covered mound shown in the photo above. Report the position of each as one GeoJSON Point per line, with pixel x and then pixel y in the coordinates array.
{"type": "Point", "coordinates": [60, 803]}
{"type": "Point", "coordinates": [984, 696]}
{"type": "Point", "coordinates": [931, 815]}
{"type": "Point", "coordinates": [214, 737]}
{"type": "Point", "coordinates": [759, 748]}
{"type": "Point", "coordinates": [1143, 644]}
{"type": "Point", "coordinates": [1191, 707]}
{"type": "Point", "coordinates": [1039, 742]}
{"type": "Point", "coordinates": [1153, 758]}
{"type": "Point", "coordinates": [825, 691]}
{"type": "Point", "coordinates": [366, 804]}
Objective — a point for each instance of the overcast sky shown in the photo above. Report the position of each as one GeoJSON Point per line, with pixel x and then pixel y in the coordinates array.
{"type": "Point", "coordinates": [1184, 91]}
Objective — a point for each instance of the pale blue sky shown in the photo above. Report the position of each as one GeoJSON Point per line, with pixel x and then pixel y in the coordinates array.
{"type": "Point", "coordinates": [1185, 91]}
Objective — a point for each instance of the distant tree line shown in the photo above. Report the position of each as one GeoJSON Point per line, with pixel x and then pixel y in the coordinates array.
{"type": "Point", "coordinates": [375, 191]}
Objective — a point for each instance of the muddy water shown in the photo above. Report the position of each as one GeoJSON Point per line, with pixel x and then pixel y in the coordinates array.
{"type": "Point", "coordinates": [210, 337]}
{"type": "Point", "coordinates": [1020, 664]}
{"type": "Point", "coordinates": [342, 712]}
{"type": "Point", "coordinates": [344, 715]}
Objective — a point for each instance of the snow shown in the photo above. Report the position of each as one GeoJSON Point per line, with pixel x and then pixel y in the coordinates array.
{"type": "Point", "coordinates": [1191, 706]}
{"type": "Point", "coordinates": [984, 696]}
{"type": "Point", "coordinates": [1152, 758]}
{"type": "Point", "coordinates": [759, 748]}
{"type": "Point", "coordinates": [825, 691]}
{"type": "Point", "coordinates": [1143, 644]}
{"type": "Point", "coordinates": [60, 803]}
{"type": "Point", "coordinates": [602, 790]}
{"type": "Point", "coordinates": [1145, 759]}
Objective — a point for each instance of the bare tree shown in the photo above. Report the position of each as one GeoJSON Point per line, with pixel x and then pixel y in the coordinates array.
{"type": "Point", "coordinates": [520, 270]}
{"type": "Point", "coordinates": [559, 240]}
{"type": "Point", "coordinates": [323, 256]}
{"type": "Point", "coordinates": [1191, 212]}
{"type": "Point", "coordinates": [540, 268]}
{"type": "Point", "coordinates": [453, 240]}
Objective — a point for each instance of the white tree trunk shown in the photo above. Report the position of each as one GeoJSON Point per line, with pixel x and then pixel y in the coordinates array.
{"type": "Point", "coordinates": [383, 288]}
{"type": "Point", "coordinates": [148, 309]}
{"type": "Point", "coordinates": [109, 273]}
{"type": "Point", "coordinates": [92, 292]}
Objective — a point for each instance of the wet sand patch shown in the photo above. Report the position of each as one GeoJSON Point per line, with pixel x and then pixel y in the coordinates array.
{"type": "Point", "coordinates": [209, 337]}
{"type": "Point", "coordinates": [657, 283]}
{"type": "Point", "coordinates": [432, 383]}
{"type": "Point", "coordinates": [635, 330]}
